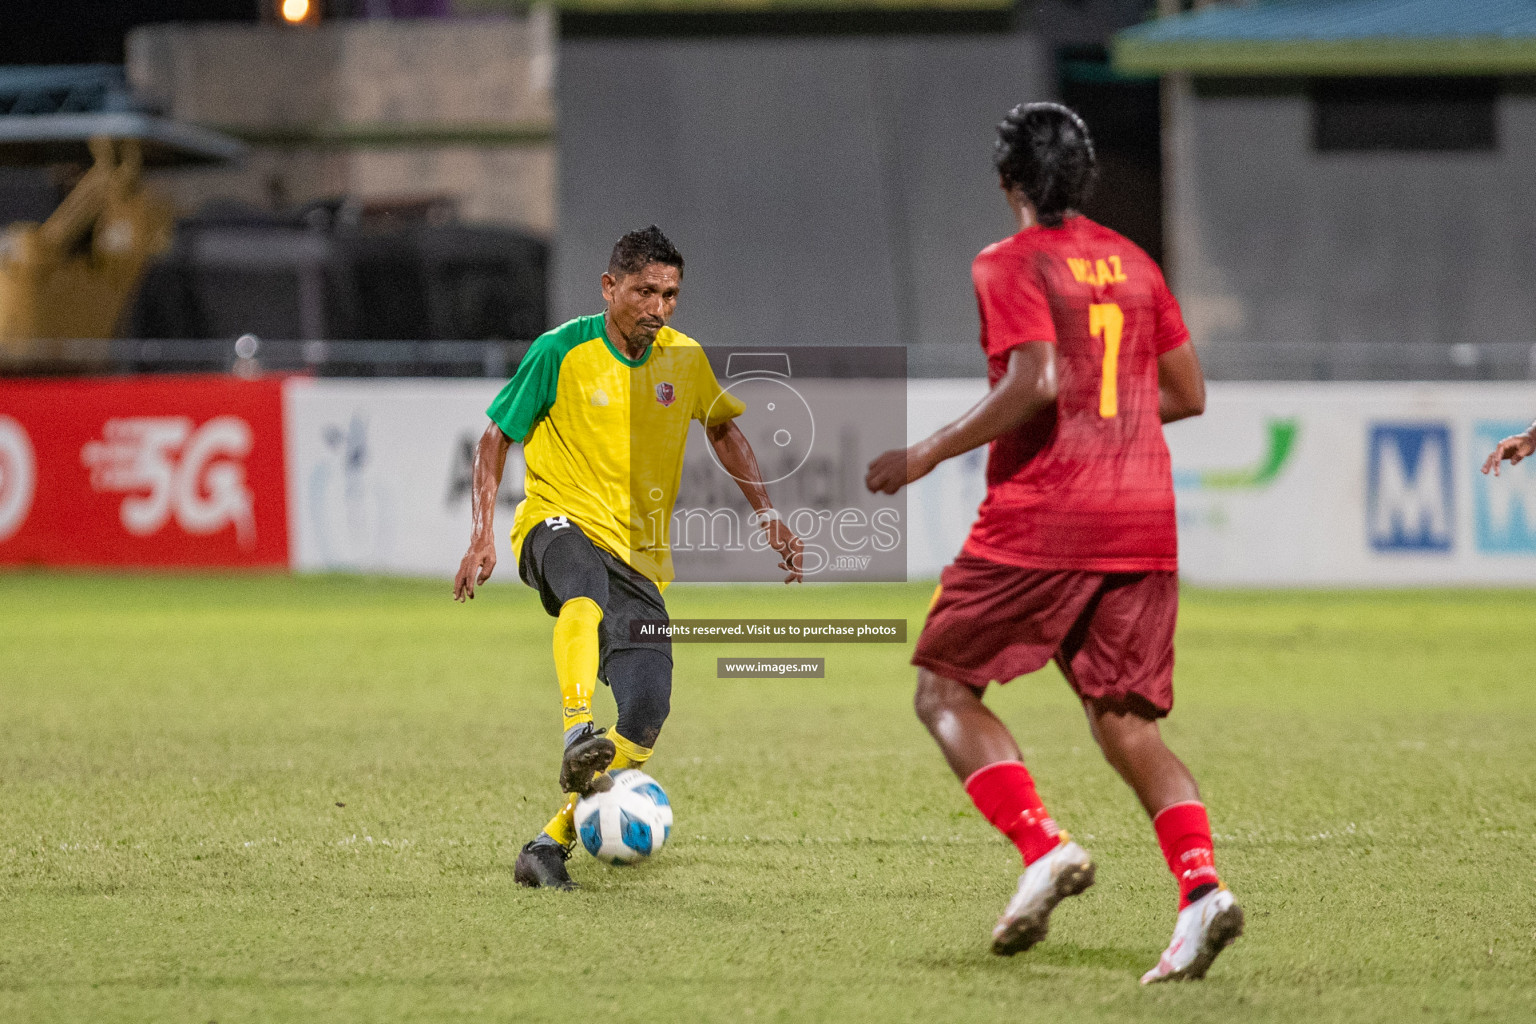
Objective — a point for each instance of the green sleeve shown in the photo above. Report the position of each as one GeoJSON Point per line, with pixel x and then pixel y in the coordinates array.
{"type": "Point", "coordinates": [530, 393]}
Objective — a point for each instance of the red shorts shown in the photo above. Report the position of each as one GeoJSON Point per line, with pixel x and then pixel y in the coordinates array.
{"type": "Point", "coordinates": [1111, 633]}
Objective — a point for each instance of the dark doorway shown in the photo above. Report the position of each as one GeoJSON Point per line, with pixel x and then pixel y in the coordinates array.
{"type": "Point", "coordinates": [1124, 115]}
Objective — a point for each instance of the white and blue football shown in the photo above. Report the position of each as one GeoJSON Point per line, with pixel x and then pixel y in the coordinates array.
{"type": "Point", "coordinates": [628, 823]}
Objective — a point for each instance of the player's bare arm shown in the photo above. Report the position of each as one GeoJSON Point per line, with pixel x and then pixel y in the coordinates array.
{"type": "Point", "coordinates": [480, 560]}
{"type": "Point", "coordinates": [1026, 389]}
{"type": "Point", "coordinates": [738, 459]}
{"type": "Point", "coordinates": [1514, 448]}
{"type": "Point", "coordinates": [1180, 384]}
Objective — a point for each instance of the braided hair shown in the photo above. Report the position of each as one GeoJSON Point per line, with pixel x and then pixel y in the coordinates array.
{"type": "Point", "coordinates": [1045, 149]}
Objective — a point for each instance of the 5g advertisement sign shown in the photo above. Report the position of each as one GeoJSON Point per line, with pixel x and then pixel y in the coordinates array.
{"type": "Point", "coordinates": [165, 472]}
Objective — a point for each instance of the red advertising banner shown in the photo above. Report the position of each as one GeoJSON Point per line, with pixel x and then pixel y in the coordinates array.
{"type": "Point", "coordinates": [155, 471]}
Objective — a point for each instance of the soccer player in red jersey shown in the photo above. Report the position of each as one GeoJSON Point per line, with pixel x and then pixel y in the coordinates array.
{"type": "Point", "coordinates": [1073, 555]}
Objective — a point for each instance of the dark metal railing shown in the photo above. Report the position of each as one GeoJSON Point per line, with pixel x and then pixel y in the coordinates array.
{"type": "Point", "coordinates": [249, 356]}
{"type": "Point", "coordinates": [1293, 361]}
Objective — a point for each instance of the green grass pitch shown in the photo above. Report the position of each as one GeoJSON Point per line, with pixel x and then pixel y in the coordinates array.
{"type": "Point", "coordinates": [299, 799]}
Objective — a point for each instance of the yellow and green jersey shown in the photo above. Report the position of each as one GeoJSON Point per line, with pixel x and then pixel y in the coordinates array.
{"type": "Point", "coordinates": [603, 435]}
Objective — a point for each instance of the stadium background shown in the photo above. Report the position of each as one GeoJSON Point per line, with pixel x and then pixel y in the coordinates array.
{"type": "Point", "coordinates": [255, 766]}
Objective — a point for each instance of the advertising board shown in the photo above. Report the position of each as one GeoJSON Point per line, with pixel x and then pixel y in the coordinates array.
{"type": "Point", "coordinates": [1278, 484]}
{"type": "Point", "coordinates": [1326, 484]}
{"type": "Point", "coordinates": [142, 472]}
{"type": "Point", "coordinates": [1355, 484]}
{"type": "Point", "coordinates": [380, 477]}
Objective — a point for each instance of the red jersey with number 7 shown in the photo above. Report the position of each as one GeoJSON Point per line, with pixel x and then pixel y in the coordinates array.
{"type": "Point", "coordinates": [1086, 484]}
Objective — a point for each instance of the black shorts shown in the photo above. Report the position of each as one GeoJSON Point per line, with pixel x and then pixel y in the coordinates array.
{"type": "Point", "coordinates": [560, 563]}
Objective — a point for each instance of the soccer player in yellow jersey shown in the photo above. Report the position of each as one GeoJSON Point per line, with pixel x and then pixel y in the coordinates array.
{"type": "Point", "coordinates": [602, 406]}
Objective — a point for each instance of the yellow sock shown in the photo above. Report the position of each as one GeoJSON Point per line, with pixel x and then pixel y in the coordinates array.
{"type": "Point", "coordinates": [562, 827]}
{"type": "Point", "coordinates": [576, 652]}
{"type": "Point", "coordinates": [627, 754]}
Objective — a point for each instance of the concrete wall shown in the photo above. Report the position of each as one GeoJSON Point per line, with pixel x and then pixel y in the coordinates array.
{"type": "Point", "coordinates": [1286, 258]}
{"type": "Point", "coordinates": [374, 109]}
{"type": "Point", "coordinates": [822, 190]}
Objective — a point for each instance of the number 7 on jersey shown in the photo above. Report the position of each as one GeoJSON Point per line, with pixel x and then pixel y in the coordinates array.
{"type": "Point", "coordinates": [1106, 319]}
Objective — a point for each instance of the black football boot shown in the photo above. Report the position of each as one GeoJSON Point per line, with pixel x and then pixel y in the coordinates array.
{"type": "Point", "coordinates": [541, 865]}
{"type": "Point", "coordinates": [587, 756]}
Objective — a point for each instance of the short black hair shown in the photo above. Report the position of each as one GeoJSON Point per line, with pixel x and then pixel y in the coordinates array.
{"type": "Point", "coordinates": [635, 250]}
{"type": "Point", "coordinates": [1045, 149]}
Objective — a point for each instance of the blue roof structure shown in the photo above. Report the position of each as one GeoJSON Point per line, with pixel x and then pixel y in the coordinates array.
{"type": "Point", "coordinates": [1337, 37]}
{"type": "Point", "coordinates": [49, 115]}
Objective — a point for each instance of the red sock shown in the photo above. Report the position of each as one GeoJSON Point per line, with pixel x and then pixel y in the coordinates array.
{"type": "Point", "coordinates": [1184, 833]}
{"type": "Point", "coordinates": [1005, 794]}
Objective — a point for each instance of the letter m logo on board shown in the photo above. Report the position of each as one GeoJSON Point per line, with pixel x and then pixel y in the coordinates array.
{"type": "Point", "coordinates": [1408, 493]}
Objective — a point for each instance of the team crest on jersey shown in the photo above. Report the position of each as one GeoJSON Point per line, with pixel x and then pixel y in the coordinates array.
{"type": "Point", "coordinates": [665, 393]}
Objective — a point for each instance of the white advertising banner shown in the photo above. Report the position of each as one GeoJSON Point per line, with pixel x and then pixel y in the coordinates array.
{"type": "Point", "coordinates": [1329, 484]}
{"type": "Point", "coordinates": [813, 464]}
{"type": "Point", "coordinates": [942, 505]}
{"type": "Point", "coordinates": [1277, 484]}
{"type": "Point", "coordinates": [379, 475]}
{"type": "Point", "coordinates": [1355, 484]}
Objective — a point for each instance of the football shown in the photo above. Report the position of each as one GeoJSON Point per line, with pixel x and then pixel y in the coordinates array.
{"type": "Point", "coordinates": [628, 823]}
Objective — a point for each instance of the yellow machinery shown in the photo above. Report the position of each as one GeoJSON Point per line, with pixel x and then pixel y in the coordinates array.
{"type": "Point", "coordinates": [73, 275]}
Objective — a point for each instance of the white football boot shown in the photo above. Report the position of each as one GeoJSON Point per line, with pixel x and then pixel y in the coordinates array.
{"type": "Point", "coordinates": [1065, 871]}
{"type": "Point", "coordinates": [1205, 928]}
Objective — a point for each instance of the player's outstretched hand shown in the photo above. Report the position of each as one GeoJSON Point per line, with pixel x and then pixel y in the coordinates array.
{"type": "Point", "coordinates": [893, 470]}
{"type": "Point", "coordinates": [475, 569]}
{"type": "Point", "coordinates": [1514, 448]}
{"type": "Point", "coordinates": [790, 548]}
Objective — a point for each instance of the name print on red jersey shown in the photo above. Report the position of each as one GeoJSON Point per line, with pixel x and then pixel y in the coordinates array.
{"type": "Point", "coordinates": [1097, 272]}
